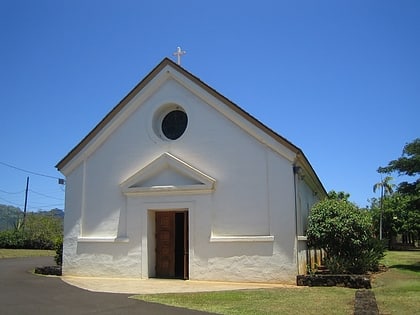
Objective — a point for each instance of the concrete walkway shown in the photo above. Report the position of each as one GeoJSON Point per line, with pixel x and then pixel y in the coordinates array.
{"type": "Point", "coordinates": [156, 286]}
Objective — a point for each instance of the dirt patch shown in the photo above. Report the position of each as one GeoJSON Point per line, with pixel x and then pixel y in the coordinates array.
{"type": "Point", "coordinates": [365, 303]}
{"type": "Point", "coordinates": [327, 280]}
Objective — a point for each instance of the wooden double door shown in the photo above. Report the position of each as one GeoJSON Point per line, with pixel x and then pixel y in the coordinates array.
{"type": "Point", "coordinates": [172, 244]}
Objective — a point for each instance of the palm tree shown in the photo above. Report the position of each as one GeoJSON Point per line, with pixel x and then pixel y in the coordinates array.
{"type": "Point", "coordinates": [386, 189]}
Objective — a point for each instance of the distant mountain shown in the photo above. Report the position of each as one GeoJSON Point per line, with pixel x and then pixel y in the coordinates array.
{"type": "Point", "coordinates": [53, 212]}
{"type": "Point", "coordinates": [9, 215]}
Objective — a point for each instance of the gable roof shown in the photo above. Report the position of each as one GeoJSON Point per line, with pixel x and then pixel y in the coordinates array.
{"type": "Point", "coordinates": [301, 159]}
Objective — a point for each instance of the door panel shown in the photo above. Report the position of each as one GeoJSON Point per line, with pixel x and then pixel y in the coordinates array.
{"type": "Point", "coordinates": [172, 249]}
{"type": "Point", "coordinates": [186, 247]}
{"type": "Point", "coordinates": [165, 244]}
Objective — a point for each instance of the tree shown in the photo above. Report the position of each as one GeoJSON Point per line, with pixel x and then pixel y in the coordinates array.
{"type": "Point", "coordinates": [9, 216]}
{"type": "Point", "coordinates": [42, 231]}
{"type": "Point", "coordinates": [345, 233]}
{"type": "Point", "coordinates": [408, 164]}
{"type": "Point", "coordinates": [394, 216]}
{"type": "Point", "coordinates": [386, 189]}
{"type": "Point", "coordinates": [341, 195]}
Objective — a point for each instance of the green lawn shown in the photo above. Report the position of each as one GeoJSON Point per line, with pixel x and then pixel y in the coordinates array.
{"type": "Point", "coordinates": [16, 253]}
{"type": "Point", "coordinates": [265, 301]}
{"type": "Point", "coordinates": [397, 292]}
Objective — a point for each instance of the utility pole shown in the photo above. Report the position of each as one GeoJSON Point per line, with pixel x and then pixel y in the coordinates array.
{"type": "Point", "coordinates": [26, 202]}
{"type": "Point", "coordinates": [382, 211]}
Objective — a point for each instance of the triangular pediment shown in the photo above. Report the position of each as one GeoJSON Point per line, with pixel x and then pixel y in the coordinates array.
{"type": "Point", "coordinates": [168, 175]}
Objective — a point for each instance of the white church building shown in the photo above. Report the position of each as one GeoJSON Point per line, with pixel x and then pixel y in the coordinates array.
{"type": "Point", "coordinates": [179, 182]}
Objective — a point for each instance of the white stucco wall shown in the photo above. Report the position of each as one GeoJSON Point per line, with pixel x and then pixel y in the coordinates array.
{"type": "Point", "coordinates": [243, 231]}
{"type": "Point", "coordinates": [306, 198]}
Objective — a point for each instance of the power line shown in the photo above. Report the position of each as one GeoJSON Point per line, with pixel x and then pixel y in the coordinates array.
{"type": "Point", "coordinates": [12, 193]}
{"type": "Point", "coordinates": [43, 195]}
{"type": "Point", "coordinates": [29, 172]}
{"type": "Point", "coordinates": [45, 203]}
{"type": "Point", "coordinates": [11, 203]}
{"type": "Point", "coordinates": [32, 191]}
{"type": "Point", "coordinates": [35, 206]}
{"type": "Point", "coordinates": [40, 205]}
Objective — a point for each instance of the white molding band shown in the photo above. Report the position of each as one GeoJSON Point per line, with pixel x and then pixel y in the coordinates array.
{"type": "Point", "coordinates": [103, 239]}
{"type": "Point", "coordinates": [242, 238]}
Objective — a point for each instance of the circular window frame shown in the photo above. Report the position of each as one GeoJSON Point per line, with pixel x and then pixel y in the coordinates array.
{"type": "Point", "coordinates": [159, 117]}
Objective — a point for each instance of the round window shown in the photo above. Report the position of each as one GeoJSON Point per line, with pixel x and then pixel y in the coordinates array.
{"type": "Point", "coordinates": [174, 124]}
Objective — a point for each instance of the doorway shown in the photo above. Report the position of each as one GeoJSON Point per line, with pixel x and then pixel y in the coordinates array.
{"type": "Point", "coordinates": [172, 247]}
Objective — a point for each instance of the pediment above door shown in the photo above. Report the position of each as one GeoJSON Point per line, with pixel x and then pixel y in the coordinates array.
{"type": "Point", "coordinates": [168, 175]}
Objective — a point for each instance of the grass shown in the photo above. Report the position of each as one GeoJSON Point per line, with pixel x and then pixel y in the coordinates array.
{"type": "Point", "coordinates": [16, 253]}
{"type": "Point", "coordinates": [263, 301]}
{"type": "Point", "coordinates": [397, 291]}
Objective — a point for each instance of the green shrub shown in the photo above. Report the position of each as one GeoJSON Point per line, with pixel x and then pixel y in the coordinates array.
{"type": "Point", "coordinates": [14, 239]}
{"type": "Point", "coordinates": [38, 243]}
{"type": "Point", "coordinates": [38, 232]}
{"type": "Point", "coordinates": [22, 239]}
{"type": "Point", "coordinates": [370, 258]}
{"type": "Point", "coordinates": [345, 233]}
{"type": "Point", "coordinates": [58, 258]}
{"type": "Point", "coordinates": [336, 264]}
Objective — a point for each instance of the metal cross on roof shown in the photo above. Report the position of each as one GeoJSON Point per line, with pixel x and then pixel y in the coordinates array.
{"type": "Point", "coordinates": [179, 52]}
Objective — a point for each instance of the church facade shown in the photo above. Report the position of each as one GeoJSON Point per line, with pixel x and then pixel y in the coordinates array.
{"type": "Point", "coordinates": [179, 182]}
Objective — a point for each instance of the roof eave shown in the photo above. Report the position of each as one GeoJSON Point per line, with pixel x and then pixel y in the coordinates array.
{"type": "Point", "coordinates": [304, 162]}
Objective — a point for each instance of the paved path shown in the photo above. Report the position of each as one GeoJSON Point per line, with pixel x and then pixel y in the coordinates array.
{"type": "Point", "coordinates": [22, 292]}
{"type": "Point", "coordinates": [154, 286]}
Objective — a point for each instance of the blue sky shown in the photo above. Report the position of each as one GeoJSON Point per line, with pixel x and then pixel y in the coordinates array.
{"type": "Point", "coordinates": [339, 79]}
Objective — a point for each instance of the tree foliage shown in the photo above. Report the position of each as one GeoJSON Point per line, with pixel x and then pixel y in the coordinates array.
{"type": "Point", "coordinates": [345, 233]}
{"type": "Point", "coordinates": [407, 198]}
{"type": "Point", "coordinates": [40, 231]}
{"type": "Point", "coordinates": [341, 195]}
{"type": "Point", "coordinates": [386, 189]}
{"type": "Point", "coordinates": [408, 163]}
{"type": "Point", "coordinates": [9, 216]}
{"type": "Point", "coordinates": [385, 186]}
{"type": "Point", "coordinates": [398, 217]}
